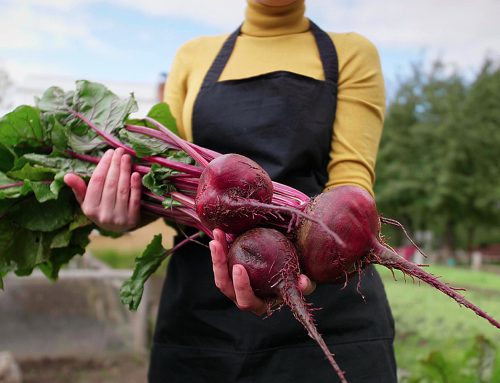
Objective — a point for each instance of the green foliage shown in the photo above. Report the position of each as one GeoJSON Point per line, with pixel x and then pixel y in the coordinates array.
{"type": "Point", "coordinates": [436, 339]}
{"type": "Point", "coordinates": [438, 163]}
{"type": "Point", "coordinates": [41, 224]}
{"type": "Point", "coordinates": [475, 366]}
{"type": "Point", "coordinates": [145, 265]}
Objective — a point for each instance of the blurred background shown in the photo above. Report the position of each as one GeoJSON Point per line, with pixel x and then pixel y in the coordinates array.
{"type": "Point", "coordinates": [438, 173]}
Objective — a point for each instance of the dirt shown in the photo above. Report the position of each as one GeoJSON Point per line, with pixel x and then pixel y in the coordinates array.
{"type": "Point", "coordinates": [123, 369]}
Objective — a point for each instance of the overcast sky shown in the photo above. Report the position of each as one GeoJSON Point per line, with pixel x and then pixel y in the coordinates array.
{"type": "Point", "coordinates": [135, 40]}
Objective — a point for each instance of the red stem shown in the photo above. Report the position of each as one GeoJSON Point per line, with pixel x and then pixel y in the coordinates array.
{"type": "Point", "coordinates": [179, 141]}
{"type": "Point", "coordinates": [12, 185]}
{"type": "Point", "coordinates": [271, 209]}
{"type": "Point", "coordinates": [110, 139]}
{"type": "Point", "coordinates": [114, 142]}
{"type": "Point", "coordinates": [95, 160]}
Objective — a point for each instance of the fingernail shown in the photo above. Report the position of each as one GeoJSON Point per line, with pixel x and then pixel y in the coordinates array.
{"type": "Point", "coordinates": [236, 270]}
{"type": "Point", "coordinates": [211, 246]}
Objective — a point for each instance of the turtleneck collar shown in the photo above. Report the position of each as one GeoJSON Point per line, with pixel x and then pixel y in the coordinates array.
{"type": "Point", "coordinates": [265, 21]}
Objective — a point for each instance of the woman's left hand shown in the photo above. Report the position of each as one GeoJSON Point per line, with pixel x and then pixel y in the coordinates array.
{"type": "Point", "coordinates": [238, 288]}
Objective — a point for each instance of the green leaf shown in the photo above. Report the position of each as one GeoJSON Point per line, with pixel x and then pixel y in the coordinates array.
{"type": "Point", "coordinates": [24, 247]}
{"type": "Point", "coordinates": [55, 100]}
{"type": "Point", "coordinates": [143, 145]}
{"type": "Point", "coordinates": [58, 134]}
{"type": "Point", "coordinates": [57, 164]}
{"type": "Point", "coordinates": [169, 203]}
{"type": "Point", "coordinates": [157, 180]}
{"type": "Point", "coordinates": [32, 173]}
{"type": "Point", "coordinates": [22, 127]}
{"type": "Point", "coordinates": [93, 101]}
{"type": "Point", "coordinates": [10, 188]}
{"type": "Point", "coordinates": [6, 159]}
{"type": "Point", "coordinates": [44, 217]}
{"type": "Point", "coordinates": [61, 256]}
{"type": "Point", "coordinates": [161, 113]}
{"type": "Point", "coordinates": [145, 265]}
{"type": "Point", "coordinates": [42, 191]}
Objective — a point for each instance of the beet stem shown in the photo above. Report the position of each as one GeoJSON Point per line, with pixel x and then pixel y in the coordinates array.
{"type": "Point", "coordinates": [12, 185]}
{"type": "Point", "coordinates": [388, 258]}
{"type": "Point", "coordinates": [179, 141]}
{"type": "Point", "coordinates": [243, 202]}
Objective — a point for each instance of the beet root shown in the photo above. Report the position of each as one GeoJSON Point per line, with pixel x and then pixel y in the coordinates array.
{"type": "Point", "coordinates": [226, 180]}
{"type": "Point", "coordinates": [271, 262]}
{"type": "Point", "coordinates": [351, 213]}
{"type": "Point", "coordinates": [234, 194]}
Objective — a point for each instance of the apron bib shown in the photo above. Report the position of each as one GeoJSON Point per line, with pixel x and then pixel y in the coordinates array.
{"type": "Point", "coordinates": [283, 121]}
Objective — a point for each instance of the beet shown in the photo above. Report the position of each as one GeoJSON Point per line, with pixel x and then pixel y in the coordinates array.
{"type": "Point", "coordinates": [227, 187]}
{"type": "Point", "coordinates": [351, 213]}
{"type": "Point", "coordinates": [235, 193]}
{"type": "Point", "coordinates": [271, 262]}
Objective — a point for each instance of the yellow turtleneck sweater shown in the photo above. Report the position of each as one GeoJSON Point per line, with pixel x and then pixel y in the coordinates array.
{"type": "Point", "coordinates": [278, 38]}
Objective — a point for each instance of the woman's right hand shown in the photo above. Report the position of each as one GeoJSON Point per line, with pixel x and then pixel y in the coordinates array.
{"type": "Point", "coordinates": [112, 199]}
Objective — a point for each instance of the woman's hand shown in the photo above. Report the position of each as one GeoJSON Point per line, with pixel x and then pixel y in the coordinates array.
{"type": "Point", "coordinates": [238, 287]}
{"type": "Point", "coordinates": [112, 198]}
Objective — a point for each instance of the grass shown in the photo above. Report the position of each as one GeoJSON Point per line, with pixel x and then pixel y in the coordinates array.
{"type": "Point", "coordinates": [123, 259]}
{"type": "Point", "coordinates": [437, 341]}
{"type": "Point", "coordinates": [116, 259]}
{"type": "Point", "coordinates": [434, 332]}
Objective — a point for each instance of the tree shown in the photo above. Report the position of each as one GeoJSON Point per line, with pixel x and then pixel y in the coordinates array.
{"type": "Point", "coordinates": [437, 155]}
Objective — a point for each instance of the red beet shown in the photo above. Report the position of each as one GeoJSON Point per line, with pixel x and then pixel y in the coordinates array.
{"type": "Point", "coordinates": [234, 194]}
{"type": "Point", "coordinates": [227, 187]}
{"type": "Point", "coordinates": [271, 262]}
{"type": "Point", "coordinates": [351, 213]}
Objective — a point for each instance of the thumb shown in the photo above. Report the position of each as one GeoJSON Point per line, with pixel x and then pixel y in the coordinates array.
{"type": "Point", "coordinates": [306, 285]}
{"type": "Point", "coordinates": [77, 184]}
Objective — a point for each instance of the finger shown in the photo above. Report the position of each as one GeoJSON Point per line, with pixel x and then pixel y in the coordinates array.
{"type": "Point", "coordinates": [134, 205]}
{"type": "Point", "coordinates": [220, 269]}
{"type": "Point", "coordinates": [220, 237]}
{"type": "Point", "coordinates": [123, 188]}
{"type": "Point", "coordinates": [96, 183]}
{"type": "Point", "coordinates": [245, 297]}
{"type": "Point", "coordinates": [109, 191]}
{"type": "Point", "coordinates": [306, 285]}
{"type": "Point", "coordinates": [77, 184]}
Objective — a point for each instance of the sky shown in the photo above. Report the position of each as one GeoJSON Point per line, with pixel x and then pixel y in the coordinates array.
{"type": "Point", "coordinates": [136, 40]}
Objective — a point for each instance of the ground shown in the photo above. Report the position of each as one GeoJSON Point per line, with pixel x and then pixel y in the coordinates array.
{"type": "Point", "coordinates": [125, 369]}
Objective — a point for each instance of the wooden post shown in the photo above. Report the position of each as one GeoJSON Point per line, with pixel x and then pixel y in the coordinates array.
{"type": "Point", "coordinates": [477, 260]}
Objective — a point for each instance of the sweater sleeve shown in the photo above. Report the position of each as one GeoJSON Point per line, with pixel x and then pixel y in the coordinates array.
{"type": "Point", "coordinates": [176, 86]}
{"type": "Point", "coordinates": [360, 114]}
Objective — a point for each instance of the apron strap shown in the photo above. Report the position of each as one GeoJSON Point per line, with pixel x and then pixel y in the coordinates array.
{"type": "Point", "coordinates": [220, 61]}
{"type": "Point", "coordinates": [327, 52]}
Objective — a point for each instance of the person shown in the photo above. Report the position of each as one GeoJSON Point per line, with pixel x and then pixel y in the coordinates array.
{"type": "Point", "coordinates": [308, 106]}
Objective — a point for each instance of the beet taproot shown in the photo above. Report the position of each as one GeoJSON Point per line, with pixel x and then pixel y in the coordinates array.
{"type": "Point", "coordinates": [352, 214]}
{"type": "Point", "coordinates": [271, 262]}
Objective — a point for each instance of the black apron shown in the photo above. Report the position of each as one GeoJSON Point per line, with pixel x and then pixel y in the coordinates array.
{"type": "Point", "coordinates": [284, 122]}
